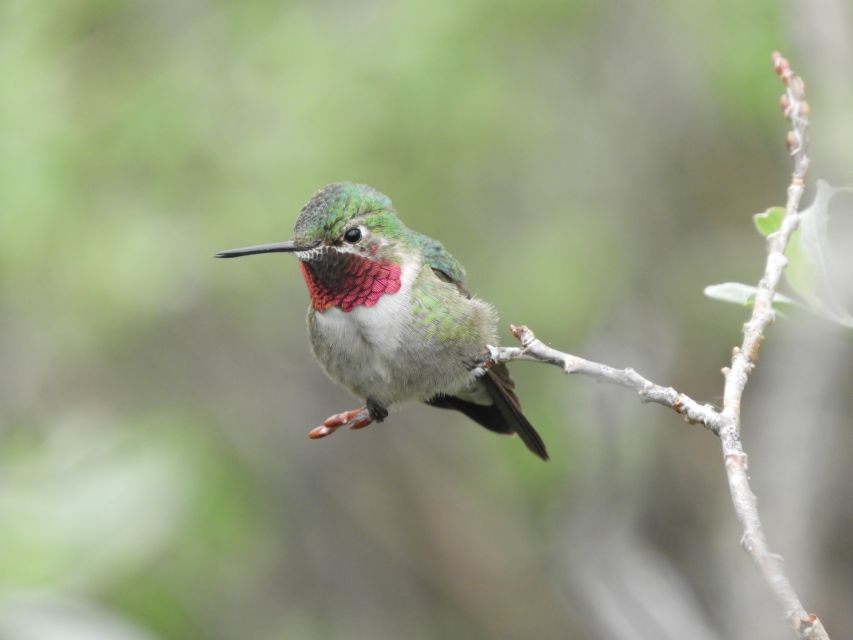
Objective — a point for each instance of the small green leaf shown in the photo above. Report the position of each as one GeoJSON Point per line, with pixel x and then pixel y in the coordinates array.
{"type": "Point", "coordinates": [734, 292]}
{"type": "Point", "coordinates": [810, 266]}
{"type": "Point", "coordinates": [744, 294]}
{"type": "Point", "coordinates": [769, 221]}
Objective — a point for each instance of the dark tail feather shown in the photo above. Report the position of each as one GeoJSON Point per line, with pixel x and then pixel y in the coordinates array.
{"type": "Point", "coordinates": [486, 415]}
{"type": "Point", "coordinates": [506, 402]}
{"type": "Point", "coordinates": [504, 416]}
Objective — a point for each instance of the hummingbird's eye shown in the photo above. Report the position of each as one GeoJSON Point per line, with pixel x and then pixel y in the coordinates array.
{"type": "Point", "coordinates": [352, 235]}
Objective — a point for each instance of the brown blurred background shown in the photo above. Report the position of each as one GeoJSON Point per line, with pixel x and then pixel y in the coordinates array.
{"type": "Point", "coordinates": [594, 165]}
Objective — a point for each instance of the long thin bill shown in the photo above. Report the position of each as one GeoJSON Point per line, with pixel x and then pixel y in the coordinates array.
{"type": "Point", "coordinates": [274, 247]}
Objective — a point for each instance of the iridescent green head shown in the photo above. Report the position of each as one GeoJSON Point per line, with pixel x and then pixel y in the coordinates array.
{"type": "Point", "coordinates": [340, 206]}
{"type": "Point", "coordinates": [343, 215]}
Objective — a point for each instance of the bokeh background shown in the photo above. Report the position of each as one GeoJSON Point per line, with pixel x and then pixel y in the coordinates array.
{"type": "Point", "coordinates": [593, 164]}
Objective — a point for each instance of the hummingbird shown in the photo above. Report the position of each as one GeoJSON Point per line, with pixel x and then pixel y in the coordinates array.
{"type": "Point", "coordinates": [390, 318]}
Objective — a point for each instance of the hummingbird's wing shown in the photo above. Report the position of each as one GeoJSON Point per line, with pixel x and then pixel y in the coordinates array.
{"type": "Point", "coordinates": [500, 386]}
{"type": "Point", "coordinates": [503, 415]}
{"type": "Point", "coordinates": [445, 265]}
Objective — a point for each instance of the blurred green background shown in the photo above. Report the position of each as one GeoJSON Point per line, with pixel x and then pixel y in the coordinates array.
{"type": "Point", "coordinates": [593, 164]}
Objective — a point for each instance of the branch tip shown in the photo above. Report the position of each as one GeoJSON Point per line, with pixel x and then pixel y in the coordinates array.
{"type": "Point", "coordinates": [779, 62]}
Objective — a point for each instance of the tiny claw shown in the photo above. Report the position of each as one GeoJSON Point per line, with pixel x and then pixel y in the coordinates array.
{"type": "Point", "coordinates": [362, 422]}
{"type": "Point", "coordinates": [320, 432]}
{"type": "Point", "coordinates": [354, 419]}
{"type": "Point", "coordinates": [342, 418]}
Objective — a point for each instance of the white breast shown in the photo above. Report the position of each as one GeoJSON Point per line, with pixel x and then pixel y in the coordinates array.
{"type": "Point", "coordinates": [366, 340]}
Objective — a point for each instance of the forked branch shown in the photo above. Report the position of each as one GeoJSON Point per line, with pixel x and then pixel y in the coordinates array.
{"type": "Point", "coordinates": [725, 423]}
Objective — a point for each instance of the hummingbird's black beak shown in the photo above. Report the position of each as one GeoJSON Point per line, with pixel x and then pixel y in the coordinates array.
{"type": "Point", "coordinates": [275, 247]}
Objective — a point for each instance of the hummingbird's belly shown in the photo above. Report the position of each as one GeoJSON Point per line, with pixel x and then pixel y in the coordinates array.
{"type": "Point", "coordinates": [388, 361]}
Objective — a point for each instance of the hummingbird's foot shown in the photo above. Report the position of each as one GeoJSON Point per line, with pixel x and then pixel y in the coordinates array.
{"type": "Point", "coordinates": [354, 419]}
{"type": "Point", "coordinates": [479, 365]}
{"type": "Point", "coordinates": [377, 411]}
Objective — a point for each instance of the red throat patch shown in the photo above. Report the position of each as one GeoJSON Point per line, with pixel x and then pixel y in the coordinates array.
{"type": "Point", "coordinates": [346, 280]}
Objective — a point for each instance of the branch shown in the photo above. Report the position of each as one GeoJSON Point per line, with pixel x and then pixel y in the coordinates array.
{"type": "Point", "coordinates": [534, 349]}
{"type": "Point", "coordinates": [726, 422]}
{"type": "Point", "coordinates": [744, 358]}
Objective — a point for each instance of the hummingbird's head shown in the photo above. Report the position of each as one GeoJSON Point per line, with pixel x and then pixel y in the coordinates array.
{"type": "Point", "coordinates": [347, 239]}
{"type": "Point", "coordinates": [350, 217]}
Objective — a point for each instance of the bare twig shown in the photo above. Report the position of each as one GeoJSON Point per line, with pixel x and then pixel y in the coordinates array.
{"type": "Point", "coordinates": [726, 422]}
{"type": "Point", "coordinates": [534, 349]}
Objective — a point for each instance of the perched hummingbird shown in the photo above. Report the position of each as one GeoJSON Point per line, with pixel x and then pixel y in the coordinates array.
{"type": "Point", "coordinates": [390, 318]}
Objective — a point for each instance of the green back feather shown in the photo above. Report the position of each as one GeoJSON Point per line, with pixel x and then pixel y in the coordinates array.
{"type": "Point", "coordinates": [439, 258]}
